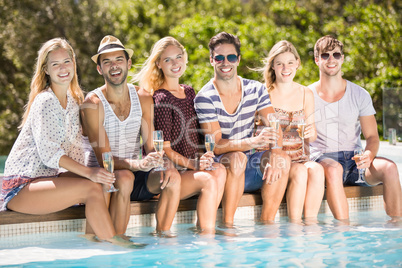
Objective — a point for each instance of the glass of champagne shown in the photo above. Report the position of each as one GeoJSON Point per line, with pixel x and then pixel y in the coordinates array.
{"type": "Point", "coordinates": [301, 126]}
{"type": "Point", "coordinates": [158, 145]}
{"type": "Point", "coordinates": [108, 164]}
{"type": "Point", "coordinates": [358, 153]}
{"type": "Point", "coordinates": [209, 146]}
{"type": "Point", "coordinates": [274, 123]}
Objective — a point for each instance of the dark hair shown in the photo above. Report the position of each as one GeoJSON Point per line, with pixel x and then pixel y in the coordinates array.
{"type": "Point", "coordinates": [326, 43]}
{"type": "Point", "coordinates": [224, 38]}
{"type": "Point", "coordinates": [125, 54]}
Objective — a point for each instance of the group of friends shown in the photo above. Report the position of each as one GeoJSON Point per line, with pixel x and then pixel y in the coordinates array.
{"type": "Point", "coordinates": [56, 161]}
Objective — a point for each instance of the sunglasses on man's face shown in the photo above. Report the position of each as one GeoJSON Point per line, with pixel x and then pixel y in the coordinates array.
{"type": "Point", "coordinates": [336, 55]}
{"type": "Point", "coordinates": [232, 58]}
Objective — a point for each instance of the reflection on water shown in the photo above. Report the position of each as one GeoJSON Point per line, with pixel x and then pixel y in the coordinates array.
{"type": "Point", "coordinates": [310, 244]}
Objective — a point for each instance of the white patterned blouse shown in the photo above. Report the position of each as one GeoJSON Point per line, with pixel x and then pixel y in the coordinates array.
{"type": "Point", "coordinates": [49, 133]}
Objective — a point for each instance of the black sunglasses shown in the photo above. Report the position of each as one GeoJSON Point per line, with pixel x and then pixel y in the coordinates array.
{"type": "Point", "coordinates": [232, 58]}
{"type": "Point", "coordinates": [336, 55]}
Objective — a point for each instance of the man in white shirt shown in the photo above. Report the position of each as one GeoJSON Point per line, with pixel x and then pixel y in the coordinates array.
{"type": "Point", "coordinates": [343, 111]}
{"type": "Point", "coordinates": [114, 117]}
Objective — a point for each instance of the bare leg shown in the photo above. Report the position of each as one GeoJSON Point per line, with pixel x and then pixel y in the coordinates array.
{"type": "Point", "coordinates": [89, 232]}
{"type": "Point", "coordinates": [169, 197]}
{"type": "Point", "coordinates": [385, 171]}
{"type": "Point", "coordinates": [315, 189]}
{"type": "Point", "coordinates": [44, 196]}
{"type": "Point", "coordinates": [120, 200]}
{"type": "Point", "coordinates": [205, 184]}
{"type": "Point", "coordinates": [336, 196]}
{"type": "Point", "coordinates": [235, 164]}
{"type": "Point", "coordinates": [296, 191]}
{"type": "Point", "coordinates": [272, 194]}
{"type": "Point", "coordinates": [220, 182]}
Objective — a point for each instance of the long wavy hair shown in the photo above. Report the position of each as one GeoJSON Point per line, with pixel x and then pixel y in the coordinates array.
{"type": "Point", "coordinates": [150, 77]}
{"type": "Point", "coordinates": [268, 71]}
{"type": "Point", "coordinates": [41, 81]}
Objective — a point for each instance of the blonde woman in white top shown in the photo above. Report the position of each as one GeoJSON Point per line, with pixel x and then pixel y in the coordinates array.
{"type": "Point", "coordinates": [49, 142]}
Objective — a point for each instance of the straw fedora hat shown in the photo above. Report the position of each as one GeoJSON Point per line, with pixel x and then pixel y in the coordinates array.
{"type": "Point", "coordinates": [108, 44]}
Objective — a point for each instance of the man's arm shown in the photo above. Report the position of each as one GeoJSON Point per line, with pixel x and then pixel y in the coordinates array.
{"type": "Point", "coordinates": [225, 145]}
{"type": "Point", "coordinates": [93, 116]}
{"type": "Point", "coordinates": [263, 113]}
{"type": "Point", "coordinates": [370, 133]}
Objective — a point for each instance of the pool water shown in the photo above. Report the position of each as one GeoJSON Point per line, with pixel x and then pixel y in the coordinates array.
{"type": "Point", "coordinates": [370, 240]}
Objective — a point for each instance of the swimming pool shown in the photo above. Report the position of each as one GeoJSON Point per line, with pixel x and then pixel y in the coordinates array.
{"type": "Point", "coordinates": [369, 241]}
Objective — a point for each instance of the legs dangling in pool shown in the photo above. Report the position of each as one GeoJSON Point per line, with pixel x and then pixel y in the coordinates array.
{"type": "Point", "coordinates": [48, 195]}
{"type": "Point", "coordinates": [305, 190]}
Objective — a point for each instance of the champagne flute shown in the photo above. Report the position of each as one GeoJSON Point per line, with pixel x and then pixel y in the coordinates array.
{"type": "Point", "coordinates": [108, 164]}
{"type": "Point", "coordinates": [358, 153]}
{"type": "Point", "coordinates": [158, 145]}
{"type": "Point", "coordinates": [301, 126]}
{"type": "Point", "coordinates": [209, 146]}
{"type": "Point", "coordinates": [274, 123]}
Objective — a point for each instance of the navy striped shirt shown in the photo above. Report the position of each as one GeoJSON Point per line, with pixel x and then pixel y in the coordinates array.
{"type": "Point", "coordinates": [239, 125]}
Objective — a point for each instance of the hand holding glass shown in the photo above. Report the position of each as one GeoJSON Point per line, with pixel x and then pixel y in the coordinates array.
{"type": "Point", "coordinates": [209, 146]}
{"type": "Point", "coordinates": [108, 164]}
{"type": "Point", "coordinates": [301, 127]}
{"type": "Point", "coordinates": [357, 154]}
{"type": "Point", "coordinates": [274, 123]}
{"type": "Point", "coordinates": [158, 145]}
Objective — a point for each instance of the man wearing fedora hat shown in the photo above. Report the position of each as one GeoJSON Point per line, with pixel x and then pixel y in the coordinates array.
{"type": "Point", "coordinates": [113, 121]}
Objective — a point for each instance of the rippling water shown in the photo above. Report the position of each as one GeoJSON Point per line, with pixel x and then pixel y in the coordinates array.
{"type": "Point", "coordinates": [369, 241]}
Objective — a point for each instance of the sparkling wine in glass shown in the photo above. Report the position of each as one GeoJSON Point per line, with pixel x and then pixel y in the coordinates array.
{"type": "Point", "coordinates": [301, 126]}
{"type": "Point", "coordinates": [108, 164]}
{"type": "Point", "coordinates": [158, 145]}
{"type": "Point", "coordinates": [209, 146]}
{"type": "Point", "coordinates": [358, 153]}
{"type": "Point", "coordinates": [274, 123]}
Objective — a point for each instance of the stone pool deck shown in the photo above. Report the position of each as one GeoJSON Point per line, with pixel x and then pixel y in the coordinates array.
{"type": "Point", "coordinates": [142, 213]}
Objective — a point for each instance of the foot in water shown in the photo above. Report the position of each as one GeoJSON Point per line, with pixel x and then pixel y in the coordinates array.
{"type": "Point", "coordinates": [226, 225]}
{"type": "Point", "coordinates": [163, 234]}
{"type": "Point", "coordinates": [90, 237]}
{"type": "Point", "coordinates": [120, 241]}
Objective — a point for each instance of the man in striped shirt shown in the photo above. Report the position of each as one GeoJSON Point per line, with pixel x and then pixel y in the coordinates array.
{"type": "Point", "coordinates": [226, 107]}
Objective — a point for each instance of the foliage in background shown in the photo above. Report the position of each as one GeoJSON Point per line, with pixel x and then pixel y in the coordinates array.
{"type": "Point", "coordinates": [370, 30]}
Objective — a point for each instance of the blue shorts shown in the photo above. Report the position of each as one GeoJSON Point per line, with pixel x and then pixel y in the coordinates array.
{"type": "Point", "coordinates": [350, 171]}
{"type": "Point", "coordinates": [10, 195]}
{"type": "Point", "coordinates": [140, 191]}
{"type": "Point", "coordinates": [253, 175]}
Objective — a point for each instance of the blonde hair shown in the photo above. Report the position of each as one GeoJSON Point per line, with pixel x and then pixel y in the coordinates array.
{"type": "Point", "coordinates": [150, 78]}
{"type": "Point", "coordinates": [268, 72]}
{"type": "Point", "coordinates": [41, 81]}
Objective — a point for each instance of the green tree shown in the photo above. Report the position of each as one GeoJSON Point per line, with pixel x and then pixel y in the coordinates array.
{"type": "Point", "coordinates": [370, 30]}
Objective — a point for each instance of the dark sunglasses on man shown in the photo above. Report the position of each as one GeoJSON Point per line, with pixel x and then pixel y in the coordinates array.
{"type": "Point", "coordinates": [232, 58]}
{"type": "Point", "coordinates": [336, 55]}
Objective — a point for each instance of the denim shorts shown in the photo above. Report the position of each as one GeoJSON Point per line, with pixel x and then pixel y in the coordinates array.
{"type": "Point", "coordinates": [10, 195]}
{"type": "Point", "coordinates": [253, 175]}
{"type": "Point", "coordinates": [140, 191]}
{"type": "Point", "coordinates": [350, 171]}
